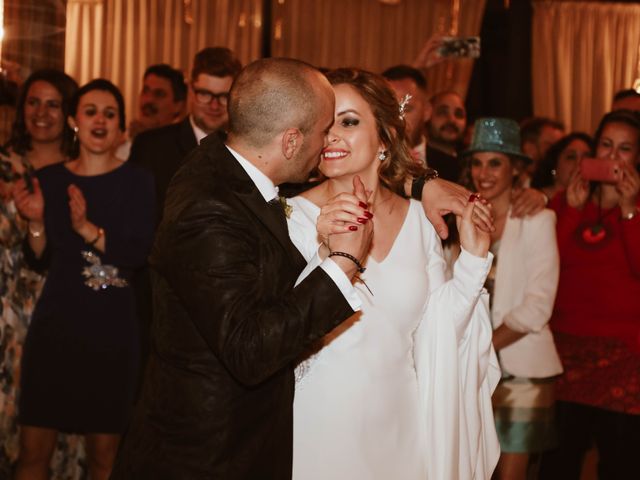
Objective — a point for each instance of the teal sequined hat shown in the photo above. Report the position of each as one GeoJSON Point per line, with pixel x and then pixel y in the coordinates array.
{"type": "Point", "coordinates": [500, 135]}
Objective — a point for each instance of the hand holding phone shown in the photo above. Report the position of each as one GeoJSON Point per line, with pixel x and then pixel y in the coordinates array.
{"type": "Point", "coordinates": [603, 170]}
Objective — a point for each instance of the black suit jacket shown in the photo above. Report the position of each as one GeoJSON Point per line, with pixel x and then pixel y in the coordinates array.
{"type": "Point", "coordinates": [218, 393]}
{"type": "Point", "coordinates": [161, 151]}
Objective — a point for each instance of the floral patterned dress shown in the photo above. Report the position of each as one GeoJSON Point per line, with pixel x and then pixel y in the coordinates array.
{"type": "Point", "coordinates": [19, 290]}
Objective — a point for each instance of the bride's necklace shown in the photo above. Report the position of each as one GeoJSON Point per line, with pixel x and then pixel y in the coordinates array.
{"type": "Point", "coordinates": [594, 235]}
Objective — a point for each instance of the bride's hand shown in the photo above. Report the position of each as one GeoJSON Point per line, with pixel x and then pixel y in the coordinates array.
{"type": "Point", "coordinates": [342, 214]}
{"type": "Point", "coordinates": [474, 240]}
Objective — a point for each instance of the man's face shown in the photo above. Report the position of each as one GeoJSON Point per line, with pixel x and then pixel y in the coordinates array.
{"type": "Point", "coordinates": [157, 103]}
{"type": "Point", "coordinates": [208, 98]}
{"type": "Point", "coordinates": [448, 119]}
{"type": "Point", "coordinates": [316, 139]}
{"type": "Point", "coordinates": [416, 112]}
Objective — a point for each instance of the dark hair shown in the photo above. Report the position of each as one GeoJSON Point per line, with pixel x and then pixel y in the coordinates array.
{"type": "Point", "coordinates": [398, 165]}
{"type": "Point", "coordinates": [626, 93]}
{"type": "Point", "coordinates": [531, 128]}
{"type": "Point", "coordinates": [402, 72]}
{"type": "Point", "coordinates": [20, 140]}
{"type": "Point", "coordinates": [217, 62]}
{"type": "Point", "coordinates": [103, 85]}
{"type": "Point", "coordinates": [628, 117]}
{"type": "Point", "coordinates": [543, 176]}
{"type": "Point", "coordinates": [273, 94]}
{"type": "Point", "coordinates": [175, 77]}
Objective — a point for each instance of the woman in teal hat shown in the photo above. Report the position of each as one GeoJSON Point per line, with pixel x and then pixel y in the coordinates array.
{"type": "Point", "coordinates": [522, 283]}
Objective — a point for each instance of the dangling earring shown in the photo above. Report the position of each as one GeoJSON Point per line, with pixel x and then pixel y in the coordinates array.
{"type": "Point", "coordinates": [382, 155]}
{"type": "Point", "coordinates": [74, 142]}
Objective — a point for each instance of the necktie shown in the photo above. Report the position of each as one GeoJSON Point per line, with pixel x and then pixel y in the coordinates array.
{"type": "Point", "coordinates": [276, 206]}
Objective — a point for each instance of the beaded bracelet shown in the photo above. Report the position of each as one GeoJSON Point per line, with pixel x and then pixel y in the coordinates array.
{"type": "Point", "coordinates": [360, 268]}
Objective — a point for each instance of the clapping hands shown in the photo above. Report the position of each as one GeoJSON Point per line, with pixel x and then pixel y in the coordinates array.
{"type": "Point", "coordinates": [29, 204]}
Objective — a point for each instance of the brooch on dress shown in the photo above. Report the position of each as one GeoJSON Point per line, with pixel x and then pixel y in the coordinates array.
{"type": "Point", "coordinates": [100, 276]}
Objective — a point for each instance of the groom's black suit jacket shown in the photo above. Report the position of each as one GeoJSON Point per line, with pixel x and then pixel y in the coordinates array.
{"type": "Point", "coordinates": [218, 392]}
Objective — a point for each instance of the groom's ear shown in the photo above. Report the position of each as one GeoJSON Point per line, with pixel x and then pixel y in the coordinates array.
{"type": "Point", "coordinates": [291, 142]}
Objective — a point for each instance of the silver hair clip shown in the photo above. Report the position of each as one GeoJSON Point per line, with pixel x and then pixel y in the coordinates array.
{"type": "Point", "coordinates": [403, 104]}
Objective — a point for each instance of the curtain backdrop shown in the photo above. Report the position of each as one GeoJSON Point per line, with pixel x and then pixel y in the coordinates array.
{"type": "Point", "coordinates": [119, 39]}
{"type": "Point", "coordinates": [372, 35]}
{"type": "Point", "coordinates": [582, 54]}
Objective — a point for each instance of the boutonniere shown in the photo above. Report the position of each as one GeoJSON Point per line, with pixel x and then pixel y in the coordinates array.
{"type": "Point", "coordinates": [288, 209]}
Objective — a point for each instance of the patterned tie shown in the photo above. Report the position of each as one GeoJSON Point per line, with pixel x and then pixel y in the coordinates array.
{"type": "Point", "coordinates": [278, 208]}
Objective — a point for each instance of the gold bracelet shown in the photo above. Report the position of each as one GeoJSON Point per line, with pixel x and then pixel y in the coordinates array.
{"type": "Point", "coordinates": [98, 237]}
{"type": "Point", "coordinates": [34, 233]}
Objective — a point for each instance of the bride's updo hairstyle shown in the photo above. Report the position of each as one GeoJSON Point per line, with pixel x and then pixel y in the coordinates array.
{"type": "Point", "coordinates": [398, 164]}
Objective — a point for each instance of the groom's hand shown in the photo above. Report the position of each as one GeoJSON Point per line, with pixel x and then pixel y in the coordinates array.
{"type": "Point", "coordinates": [440, 197]}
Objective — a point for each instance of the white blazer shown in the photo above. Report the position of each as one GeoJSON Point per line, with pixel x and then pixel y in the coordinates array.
{"type": "Point", "coordinates": [524, 293]}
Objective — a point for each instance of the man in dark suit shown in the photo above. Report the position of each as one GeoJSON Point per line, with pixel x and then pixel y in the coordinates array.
{"type": "Point", "coordinates": [229, 323]}
{"type": "Point", "coordinates": [162, 150]}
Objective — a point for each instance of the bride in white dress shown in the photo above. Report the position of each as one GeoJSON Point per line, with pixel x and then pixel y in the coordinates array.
{"type": "Point", "coordinates": [402, 390]}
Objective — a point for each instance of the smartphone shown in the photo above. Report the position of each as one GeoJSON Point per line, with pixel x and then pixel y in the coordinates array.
{"type": "Point", "coordinates": [601, 170]}
{"type": "Point", "coordinates": [460, 47]}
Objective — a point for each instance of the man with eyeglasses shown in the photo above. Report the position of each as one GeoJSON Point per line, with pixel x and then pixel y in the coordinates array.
{"type": "Point", "coordinates": [162, 150]}
{"type": "Point", "coordinates": [446, 129]}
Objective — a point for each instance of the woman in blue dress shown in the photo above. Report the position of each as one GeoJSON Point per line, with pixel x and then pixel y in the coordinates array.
{"type": "Point", "coordinates": [90, 225]}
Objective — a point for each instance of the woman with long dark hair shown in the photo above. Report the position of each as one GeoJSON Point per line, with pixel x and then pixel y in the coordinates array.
{"type": "Point", "coordinates": [559, 163]}
{"type": "Point", "coordinates": [596, 319]}
{"type": "Point", "coordinates": [40, 137]}
{"type": "Point", "coordinates": [90, 224]}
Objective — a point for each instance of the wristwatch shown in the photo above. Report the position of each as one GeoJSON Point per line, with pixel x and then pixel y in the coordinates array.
{"type": "Point", "coordinates": [418, 183]}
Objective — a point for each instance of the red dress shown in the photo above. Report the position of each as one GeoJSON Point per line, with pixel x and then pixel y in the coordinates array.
{"type": "Point", "coordinates": [596, 319]}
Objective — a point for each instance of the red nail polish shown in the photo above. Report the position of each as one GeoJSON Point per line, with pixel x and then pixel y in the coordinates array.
{"type": "Point", "coordinates": [362, 205]}
{"type": "Point", "coordinates": [353, 228]}
{"type": "Point", "coordinates": [362, 220]}
{"type": "Point", "coordinates": [368, 214]}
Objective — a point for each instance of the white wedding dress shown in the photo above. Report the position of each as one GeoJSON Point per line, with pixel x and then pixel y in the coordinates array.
{"type": "Point", "coordinates": [402, 389]}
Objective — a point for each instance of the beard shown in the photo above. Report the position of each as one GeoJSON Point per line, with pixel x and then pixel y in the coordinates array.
{"type": "Point", "coordinates": [440, 134]}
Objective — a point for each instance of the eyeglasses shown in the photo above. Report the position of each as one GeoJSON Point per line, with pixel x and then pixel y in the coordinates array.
{"type": "Point", "coordinates": [205, 96]}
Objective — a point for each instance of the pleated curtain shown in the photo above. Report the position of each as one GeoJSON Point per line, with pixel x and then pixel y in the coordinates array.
{"type": "Point", "coordinates": [374, 35]}
{"type": "Point", "coordinates": [119, 39]}
{"type": "Point", "coordinates": [583, 52]}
